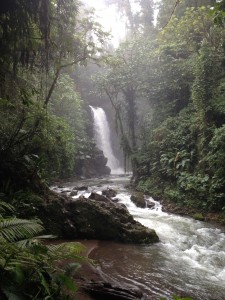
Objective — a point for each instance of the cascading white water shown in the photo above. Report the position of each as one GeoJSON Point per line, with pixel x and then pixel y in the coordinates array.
{"type": "Point", "coordinates": [102, 137]}
{"type": "Point", "coordinates": [188, 260]}
{"type": "Point", "coordinates": [191, 254]}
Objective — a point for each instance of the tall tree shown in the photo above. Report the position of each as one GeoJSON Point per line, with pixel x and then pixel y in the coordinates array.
{"type": "Point", "coordinates": [33, 55]}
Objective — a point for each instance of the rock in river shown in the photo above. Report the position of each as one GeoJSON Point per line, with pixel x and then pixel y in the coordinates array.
{"type": "Point", "coordinates": [138, 199]}
{"type": "Point", "coordinates": [109, 193]}
{"type": "Point", "coordinates": [94, 218]}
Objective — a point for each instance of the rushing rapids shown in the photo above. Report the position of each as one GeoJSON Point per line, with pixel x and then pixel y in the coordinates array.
{"type": "Point", "coordinates": [189, 260]}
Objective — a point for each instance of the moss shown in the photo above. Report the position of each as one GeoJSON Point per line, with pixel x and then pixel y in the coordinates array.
{"type": "Point", "coordinates": [199, 217]}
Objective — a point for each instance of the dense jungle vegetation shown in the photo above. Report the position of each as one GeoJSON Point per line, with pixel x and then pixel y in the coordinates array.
{"type": "Point", "coordinates": [43, 135]}
{"type": "Point", "coordinates": [166, 84]}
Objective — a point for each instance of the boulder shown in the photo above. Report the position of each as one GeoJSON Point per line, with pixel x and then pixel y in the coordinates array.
{"type": "Point", "coordinates": [199, 217]}
{"type": "Point", "coordinates": [150, 204]}
{"type": "Point", "coordinates": [138, 199]}
{"type": "Point", "coordinates": [100, 219]}
{"type": "Point", "coordinates": [74, 193]}
{"type": "Point", "coordinates": [109, 193]}
{"type": "Point", "coordinates": [94, 165]}
{"type": "Point", "coordinates": [80, 188]}
{"type": "Point", "coordinates": [98, 197]}
{"type": "Point", "coordinates": [115, 200]}
{"type": "Point", "coordinates": [105, 220]}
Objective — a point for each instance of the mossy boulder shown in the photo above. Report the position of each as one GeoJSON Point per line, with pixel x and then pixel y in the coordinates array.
{"type": "Point", "coordinates": [199, 217]}
{"type": "Point", "coordinates": [138, 199]}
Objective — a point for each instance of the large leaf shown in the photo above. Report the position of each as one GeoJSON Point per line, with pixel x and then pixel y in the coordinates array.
{"type": "Point", "coordinates": [16, 229]}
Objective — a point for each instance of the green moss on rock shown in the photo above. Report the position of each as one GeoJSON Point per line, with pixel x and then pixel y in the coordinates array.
{"type": "Point", "coordinates": [199, 217]}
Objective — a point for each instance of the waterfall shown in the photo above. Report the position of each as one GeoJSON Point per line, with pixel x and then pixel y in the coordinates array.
{"type": "Point", "coordinates": [102, 137]}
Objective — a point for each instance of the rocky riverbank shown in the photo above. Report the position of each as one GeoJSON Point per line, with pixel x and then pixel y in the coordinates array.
{"type": "Point", "coordinates": [97, 217]}
{"type": "Point", "coordinates": [177, 208]}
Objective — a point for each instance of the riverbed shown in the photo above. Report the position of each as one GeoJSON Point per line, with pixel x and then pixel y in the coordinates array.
{"type": "Point", "coordinates": [189, 260]}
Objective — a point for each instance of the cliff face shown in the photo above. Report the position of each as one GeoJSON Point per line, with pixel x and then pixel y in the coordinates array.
{"type": "Point", "coordinates": [93, 165]}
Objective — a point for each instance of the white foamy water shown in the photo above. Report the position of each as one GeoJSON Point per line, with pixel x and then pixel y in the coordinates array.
{"type": "Point", "coordinates": [193, 251]}
{"type": "Point", "coordinates": [102, 137]}
{"type": "Point", "coordinates": [189, 260]}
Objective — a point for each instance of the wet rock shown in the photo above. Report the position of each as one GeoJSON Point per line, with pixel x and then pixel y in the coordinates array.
{"type": "Point", "coordinates": [100, 219]}
{"type": "Point", "coordinates": [98, 197]}
{"type": "Point", "coordinates": [116, 200]}
{"type": "Point", "coordinates": [150, 204]}
{"type": "Point", "coordinates": [199, 217]}
{"type": "Point", "coordinates": [109, 193]}
{"type": "Point", "coordinates": [80, 188]}
{"type": "Point", "coordinates": [65, 192]}
{"type": "Point", "coordinates": [138, 199]}
{"type": "Point", "coordinates": [105, 290]}
{"type": "Point", "coordinates": [94, 165]}
{"type": "Point", "coordinates": [106, 220]}
{"type": "Point", "coordinates": [74, 193]}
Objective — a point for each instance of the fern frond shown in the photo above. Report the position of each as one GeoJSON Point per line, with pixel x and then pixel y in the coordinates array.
{"type": "Point", "coordinates": [30, 242]}
{"type": "Point", "coordinates": [22, 261]}
{"type": "Point", "coordinates": [67, 250]}
{"type": "Point", "coordinates": [4, 206]}
{"type": "Point", "coordinates": [16, 229]}
{"type": "Point", "coordinates": [72, 247]}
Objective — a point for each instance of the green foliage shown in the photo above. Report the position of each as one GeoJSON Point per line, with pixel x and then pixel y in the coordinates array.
{"type": "Point", "coordinates": [38, 141]}
{"type": "Point", "coordinates": [67, 104]}
{"type": "Point", "coordinates": [182, 140]}
{"type": "Point", "coordinates": [29, 269]}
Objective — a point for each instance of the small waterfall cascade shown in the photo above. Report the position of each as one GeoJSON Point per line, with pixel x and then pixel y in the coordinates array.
{"type": "Point", "coordinates": [102, 137]}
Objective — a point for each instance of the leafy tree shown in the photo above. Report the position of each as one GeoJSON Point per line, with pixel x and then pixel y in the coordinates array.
{"type": "Point", "coordinates": [184, 120]}
{"type": "Point", "coordinates": [33, 56]}
{"type": "Point", "coordinates": [169, 9]}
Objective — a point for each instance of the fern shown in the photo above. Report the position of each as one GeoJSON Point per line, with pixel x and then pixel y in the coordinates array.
{"type": "Point", "coordinates": [25, 262]}
{"type": "Point", "coordinates": [4, 207]}
{"type": "Point", "coordinates": [16, 229]}
{"type": "Point", "coordinates": [68, 250]}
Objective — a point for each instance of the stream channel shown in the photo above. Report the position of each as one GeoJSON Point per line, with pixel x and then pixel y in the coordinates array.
{"type": "Point", "coordinates": [189, 260]}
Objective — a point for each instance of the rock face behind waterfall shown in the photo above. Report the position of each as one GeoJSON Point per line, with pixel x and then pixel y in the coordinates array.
{"type": "Point", "coordinates": [95, 218]}
{"type": "Point", "coordinates": [94, 165]}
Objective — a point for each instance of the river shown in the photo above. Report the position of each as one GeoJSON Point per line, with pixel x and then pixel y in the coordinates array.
{"type": "Point", "coordinates": [189, 260]}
